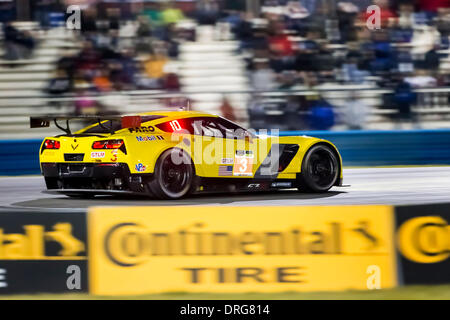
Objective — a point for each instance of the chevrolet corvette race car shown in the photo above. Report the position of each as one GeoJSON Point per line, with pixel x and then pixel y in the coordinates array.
{"type": "Point", "coordinates": [171, 154]}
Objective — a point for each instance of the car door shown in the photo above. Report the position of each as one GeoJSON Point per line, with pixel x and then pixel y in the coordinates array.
{"type": "Point", "coordinates": [240, 149]}
{"type": "Point", "coordinates": [208, 145]}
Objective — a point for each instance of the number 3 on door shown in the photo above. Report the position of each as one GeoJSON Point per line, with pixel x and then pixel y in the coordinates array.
{"type": "Point", "coordinates": [243, 166]}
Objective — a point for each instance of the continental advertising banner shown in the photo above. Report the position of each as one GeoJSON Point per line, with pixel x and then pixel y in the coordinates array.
{"type": "Point", "coordinates": [423, 241]}
{"type": "Point", "coordinates": [136, 250]}
{"type": "Point", "coordinates": [42, 252]}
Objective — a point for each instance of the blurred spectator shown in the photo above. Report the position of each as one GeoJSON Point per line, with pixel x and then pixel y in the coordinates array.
{"type": "Point", "coordinates": [153, 11]}
{"type": "Point", "coordinates": [154, 66]}
{"type": "Point", "coordinates": [443, 24]}
{"type": "Point", "coordinates": [350, 69]}
{"type": "Point", "coordinates": [321, 116]}
{"type": "Point", "coordinates": [85, 104]}
{"type": "Point", "coordinates": [319, 113]}
{"type": "Point", "coordinates": [89, 22]}
{"type": "Point", "coordinates": [431, 60]}
{"type": "Point", "coordinates": [432, 6]}
{"type": "Point", "coordinates": [18, 44]}
{"type": "Point", "coordinates": [308, 53]}
{"type": "Point", "coordinates": [61, 83]}
{"type": "Point", "coordinates": [262, 77]}
{"type": "Point", "coordinates": [384, 57]}
{"type": "Point", "coordinates": [281, 50]}
{"type": "Point", "coordinates": [227, 110]}
{"type": "Point", "coordinates": [347, 12]}
{"type": "Point", "coordinates": [171, 82]}
{"type": "Point", "coordinates": [7, 11]}
{"type": "Point", "coordinates": [101, 81]}
{"type": "Point", "coordinates": [404, 98]}
{"type": "Point", "coordinates": [144, 34]}
{"type": "Point", "coordinates": [289, 43]}
{"type": "Point", "coordinates": [207, 11]}
{"type": "Point", "coordinates": [170, 14]}
{"type": "Point", "coordinates": [421, 79]}
{"type": "Point", "coordinates": [356, 112]}
{"type": "Point", "coordinates": [88, 59]}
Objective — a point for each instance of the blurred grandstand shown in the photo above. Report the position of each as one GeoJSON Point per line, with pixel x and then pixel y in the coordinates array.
{"type": "Point", "coordinates": [291, 65]}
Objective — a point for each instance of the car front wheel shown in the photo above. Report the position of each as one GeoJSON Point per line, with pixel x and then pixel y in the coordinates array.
{"type": "Point", "coordinates": [320, 169]}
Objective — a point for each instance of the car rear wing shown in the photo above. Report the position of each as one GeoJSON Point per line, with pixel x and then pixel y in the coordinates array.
{"type": "Point", "coordinates": [44, 121]}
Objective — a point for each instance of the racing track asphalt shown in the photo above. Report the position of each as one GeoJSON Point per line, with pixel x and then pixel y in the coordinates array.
{"type": "Point", "coordinates": [396, 186]}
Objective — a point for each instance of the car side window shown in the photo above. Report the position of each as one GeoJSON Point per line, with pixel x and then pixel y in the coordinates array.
{"type": "Point", "coordinates": [206, 127]}
{"type": "Point", "coordinates": [197, 126]}
{"type": "Point", "coordinates": [231, 130]}
{"type": "Point", "coordinates": [211, 129]}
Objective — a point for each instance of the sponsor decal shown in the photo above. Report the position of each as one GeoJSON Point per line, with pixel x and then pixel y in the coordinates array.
{"type": "Point", "coordinates": [243, 163]}
{"type": "Point", "coordinates": [140, 167]}
{"type": "Point", "coordinates": [142, 129]}
{"type": "Point", "coordinates": [227, 161]}
{"type": "Point", "coordinates": [423, 242]}
{"type": "Point", "coordinates": [281, 184]}
{"type": "Point", "coordinates": [37, 248]}
{"type": "Point", "coordinates": [145, 138]}
{"type": "Point", "coordinates": [32, 242]}
{"type": "Point", "coordinates": [225, 171]}
{"type": "Point", "coordinates": [242, 153]}
{"type": "Point", "coordinates": [148, 138]}
{"type": "Point", "coordinates": [425, 239]}
{"type": "Point", "coordinates": [213, 249]}
{"type": "Point", "coordinates": [114, 155]}
{"type": "Point", "coordinates": [98, 154]}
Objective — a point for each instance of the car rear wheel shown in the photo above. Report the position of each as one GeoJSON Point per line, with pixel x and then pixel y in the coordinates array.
{"type": "Point", "coordinates": [320, 169]}
{"type": "Point", "coordinates": [173, 177]}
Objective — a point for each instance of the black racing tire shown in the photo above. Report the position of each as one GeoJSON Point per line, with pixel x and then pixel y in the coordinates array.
{"type": "Point", "coordinates": [171, 179]}
{"type": "Point", "coordinates": [320, 169]}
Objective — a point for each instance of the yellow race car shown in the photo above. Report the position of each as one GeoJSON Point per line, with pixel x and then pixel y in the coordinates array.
{"type": "Point", "coordinates": [171, 154]}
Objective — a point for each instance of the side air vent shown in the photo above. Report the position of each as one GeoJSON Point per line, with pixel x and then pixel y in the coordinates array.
{"type": "Point", "coordinates": [288, 153]}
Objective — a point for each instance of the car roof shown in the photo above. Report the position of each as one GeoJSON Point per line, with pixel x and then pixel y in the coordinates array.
{"type": "Point", "coordinates": [179, 114]}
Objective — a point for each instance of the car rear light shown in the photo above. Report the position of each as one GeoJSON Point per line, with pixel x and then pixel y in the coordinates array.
{"type": "Point", "coordinates": [107, 144]}
{"type": "Point", "coordinates": [110, 144]}
{"type": "Point", "coordinates": [51, 144]}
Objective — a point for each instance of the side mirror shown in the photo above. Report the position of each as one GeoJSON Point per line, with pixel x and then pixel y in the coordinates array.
{"type": "Point", "coordinates": [248, 137]}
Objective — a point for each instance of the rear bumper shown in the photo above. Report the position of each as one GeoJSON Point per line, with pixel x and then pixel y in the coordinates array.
{"type": "Point", "coordinates": [85, 170]}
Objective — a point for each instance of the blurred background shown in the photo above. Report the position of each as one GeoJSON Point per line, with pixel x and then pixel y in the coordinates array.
{"type": "Point", "coordinates": [289, 65]}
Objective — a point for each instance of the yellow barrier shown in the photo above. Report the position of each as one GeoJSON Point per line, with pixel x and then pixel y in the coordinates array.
{"type": "Point", "coordinates": [136, 250]}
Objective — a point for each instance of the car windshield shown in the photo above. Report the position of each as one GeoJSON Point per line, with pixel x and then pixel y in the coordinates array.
{"type": "Point", "coordinates": [114, 125]}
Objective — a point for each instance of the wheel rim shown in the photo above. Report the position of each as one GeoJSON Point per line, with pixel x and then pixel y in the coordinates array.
{"type": "Point", "coordinates": [322, 168]}
{"type": "Point", "coordinates": [175, 178]}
